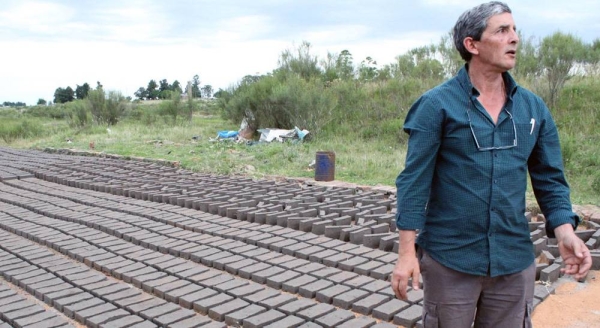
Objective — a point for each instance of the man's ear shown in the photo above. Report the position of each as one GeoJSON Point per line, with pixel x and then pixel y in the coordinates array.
{"type": "Point", "coordinates": [470, 45]}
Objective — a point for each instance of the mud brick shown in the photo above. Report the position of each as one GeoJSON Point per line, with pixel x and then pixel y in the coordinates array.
{"type": "Point", "coordinates": [335, 318]}
{"type": "Point", "coordinates": [168, 264]}
{"type": "Point", "coordinates": [137, 281]}
{"type": "Point", "coordinates": [96, 321]}
{"type": "Point", "coordinates": [14, 303]}
{"type": "Point", "coordinates": [383, 272]}
{"type": "Point", "coordinates": [158, 311]}
{"type": "Point", "coordinates": [122, 322]}
{"type": "Point", "coordinates": [277, 280]}
{"type": "Point", "coordinates": [310, 290]}
{"type": "Point", "coordinates": [27, 310]}
{"type": "Point", "coordinates": [59, 304]}
{"type": "Point", "coordinates": [219, 312]}
{"type": "Point", "coordinates": [148, 286]}
{"type": "Point", "coordinates": [365, 268]}
{"type": "Point", "coordinates": [180, 268]}
{"type": "Point", "coordinates": [262, 295]}
{"type": "Point", "coordinates": [247, 289]}
{"type": "Point", "coordinates": [216, 280]}
{"type": "Point", "coordinates": [366, 305]}
{"type": "Point", "coordinates": [387, 310]}
{"type": "Point", "coordinates": [99, 265]}
{"type": "Point", "coordinates": [351, 263]}
{"type": "Point", "coordinates": [326, 295]}
{"type": "Point", "coordinates": [174, 317]}
{"type": "Point", "coordinates": [409, 316]}
{"type": "Point", "coordinates": [293, 285]}
{"type": "Point", "coordinates": [128, 276]}
{"type": "Point", "coordinates": [204, 275]}
{"type": "Point", "coordinates": [269, 241]}
{"type": "Point", "coordinates": [192, 272]}
{"type": "Point", "coordinates": [262, 276]}
{"type": "Point", "coordinates": [288, 321]}
{"type": "Point", "coordinates": [195, 321]}
{"type": "Point", "coordinates": [30, 320]}
{"type": "Point", "coordinates": [334, 260]}
{"type": "Point", "coordinates": [359, 281]}
{"type": "Point", "coordinates": [173, 295]}
{"type": "Point", "coordinates": [117, 273]}
{"type": "Point", "coordinates": [306, 252]}
{"type": "Point", "coordinates": [296, 306]}
{"type": "Point", "coordinates": [187, 300]}
{"type": "Point", "coordinates": [415, 296]}
{"type": "Point", "coordinates": [342, 276]}
{"type": "Point", "coordinates": [110, 268]}
{"type": "Point", "coordinates": [317, 311]}
{"type": "Point", "coordinates": [222, 262]}
{"type": "Point", "coordinates": [60, 292]}
{"type": "Point", "coordinates": [230, 284]}
{"type": "Point", "coordinates": [125, 302]}
{"type": "Point", "coordinates": [294, 264]}
{"type": "Point", "coordinates": [345, 300]}
{"type": "Point", "coordinates": [277, 301]}
{"type": "Point", "coordinates": [32, 287]}
{"type": "Point", "coordinates": [279, 260]}
{"type": "Point", "coordinates": [203, 305]}
{"type": "Point", "coordinates": [375, 286]}
{"type": "Point", "coordinates": [106, 287]}
{"type": "Point", "coordinates": [52, 322]}
{"type": "Point", "coordinates": [163, 258]}
{"type": "Point", "coordinates": [542, 291]}
{"type": "Point", "coordinates": [83, 314]}
{"type": "Point", "coordinates": [263, 319]}
{"type": "Point", "coordinates": [162, 289]}
{"type": "Point", "coordinates": [235, 266]}
{"type": "Point", "coordinates": [325, 272]}
{"type": "Point", "coordinates": [389, 258]}
{"type": "Point", "coordinates": [362, 322]}
{"type": "Point", "coordinates": [318, 257]}
{"type": "Point", "coordinates": [149, 303]}
{"type": "Point", "coordinates": [126, 293]}
{"type": "Point", "coordinates": [551, 273]}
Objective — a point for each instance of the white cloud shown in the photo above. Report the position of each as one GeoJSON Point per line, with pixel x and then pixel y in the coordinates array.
{"type": "Point", "coordinates": [36, 16]}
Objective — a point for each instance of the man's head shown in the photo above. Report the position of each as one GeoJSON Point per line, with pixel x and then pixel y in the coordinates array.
{"type": "Point", "coordinates": [472, 23]}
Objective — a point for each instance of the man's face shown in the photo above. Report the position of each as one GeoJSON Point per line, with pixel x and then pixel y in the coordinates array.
{"type": "Point", "coordinates": [498, 44]}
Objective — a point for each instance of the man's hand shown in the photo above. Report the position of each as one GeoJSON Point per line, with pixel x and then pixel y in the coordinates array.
{"type": "Point", "coordinates": [573, 251]}
{"type": "Point", "coordinates": [407, 265]}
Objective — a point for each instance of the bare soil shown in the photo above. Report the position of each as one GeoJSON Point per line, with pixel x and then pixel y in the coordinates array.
{"type": "Point", "coordinates": [574, 305]}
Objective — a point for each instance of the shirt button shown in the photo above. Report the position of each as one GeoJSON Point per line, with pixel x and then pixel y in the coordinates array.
{"type": "Point", "coordinates": [490, 234]}
{"type": "Point", "coordinates": [495, 155]}
{"type": "Point", "coordinates": [495, 181]}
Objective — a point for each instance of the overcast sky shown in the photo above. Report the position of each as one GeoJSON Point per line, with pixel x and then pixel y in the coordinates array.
{"type": "Point", "coordinates": [124, 44]}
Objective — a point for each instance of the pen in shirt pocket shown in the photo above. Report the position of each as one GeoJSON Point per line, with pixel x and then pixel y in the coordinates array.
{"type": "Point", "coordinates": [532, 122]}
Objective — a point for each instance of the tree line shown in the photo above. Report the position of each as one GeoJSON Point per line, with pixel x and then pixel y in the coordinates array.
{"type": "Point", "coordinates": [163, 90]}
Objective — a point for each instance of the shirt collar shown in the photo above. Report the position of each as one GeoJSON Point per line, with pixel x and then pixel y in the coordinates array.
{"type": "Point", "coordinates": [465, 82]}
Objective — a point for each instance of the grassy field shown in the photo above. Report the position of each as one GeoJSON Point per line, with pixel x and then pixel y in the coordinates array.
{"type": "Point", "coordinates": [365, 161]}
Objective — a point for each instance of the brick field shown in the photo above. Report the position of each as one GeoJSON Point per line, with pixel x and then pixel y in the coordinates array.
{"type": "Point", "coordinates": [106, 242]}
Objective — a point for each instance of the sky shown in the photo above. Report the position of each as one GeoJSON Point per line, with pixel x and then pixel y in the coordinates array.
{"type": "Point", "coordinates": [125, 43]}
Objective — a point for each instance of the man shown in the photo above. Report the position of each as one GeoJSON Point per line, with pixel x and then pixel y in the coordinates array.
{"type": "Point", "coordinates": [472, 142]}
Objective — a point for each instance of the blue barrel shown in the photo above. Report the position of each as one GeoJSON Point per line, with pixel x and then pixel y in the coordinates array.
{"type": "Point", "coordinates": [325, 166]}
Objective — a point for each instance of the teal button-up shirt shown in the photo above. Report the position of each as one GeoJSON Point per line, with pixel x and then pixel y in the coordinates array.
{"type": "Point", "coordinates": [468, 202]}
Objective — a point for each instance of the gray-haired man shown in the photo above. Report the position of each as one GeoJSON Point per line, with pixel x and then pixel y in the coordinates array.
{"type": "Point", "coordinates": [472, 142]}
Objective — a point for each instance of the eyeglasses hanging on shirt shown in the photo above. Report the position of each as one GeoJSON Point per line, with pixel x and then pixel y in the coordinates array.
{"type": "Point", "coordinates": [482, 148]}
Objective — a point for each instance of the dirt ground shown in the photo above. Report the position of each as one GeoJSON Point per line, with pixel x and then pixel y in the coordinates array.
{"type": "Point", "coordinates": [574, 305]}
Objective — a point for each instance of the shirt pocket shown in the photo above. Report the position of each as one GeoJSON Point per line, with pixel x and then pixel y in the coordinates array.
{"type": "Point", "coordinates": [527, 135]}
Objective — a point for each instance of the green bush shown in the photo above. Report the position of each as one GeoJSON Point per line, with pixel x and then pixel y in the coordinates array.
{"type": "Point", "coordinates": [79, 115]}
{"type": "Point", "coordinates": [106, 108]}
{"type": "Point", "coordinates": [10, 130]}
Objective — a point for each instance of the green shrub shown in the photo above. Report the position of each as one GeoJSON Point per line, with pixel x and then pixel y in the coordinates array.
{"type": "Point", "coordinates": [106, 108]}
{"type": "Point", "coordinates": [10, 130]}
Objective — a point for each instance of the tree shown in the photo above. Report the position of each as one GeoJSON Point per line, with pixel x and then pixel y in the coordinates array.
{"type": "Point", "coordinates": [41, 102]}
{"type": "Point", "coordinates": [176, 86]}
{"type": "Point", "coordinates": [163, 89]}
{"type": "Point", "coordinates": [367, 71]}
{"type": "Point", "coordinates": [81, 91]}
{"type": "Point", "coordinates": [196, 87]}
{"type": "Point", "coordinates": [559, 54]}
{"type": "Point", "coordinates": [62, 96]}
{"type": "Point", "coordinates": [141, 93]}
{"type": "Point", "coordinates": [300, 62]}
{"type": "Point", "coordinates": [451, 59]}
{"type": "Point", "coordinates": [151, 91]}
{"type": "Point", "coordinates": [207, 91]}
{"type": "Point", "coordinates": [344, 65]}
{"type": "Point", "coordinates": [106, 108]}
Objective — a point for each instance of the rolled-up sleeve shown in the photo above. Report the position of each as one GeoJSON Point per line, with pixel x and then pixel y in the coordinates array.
{"type": "Point", "coordinates": [424, 126]}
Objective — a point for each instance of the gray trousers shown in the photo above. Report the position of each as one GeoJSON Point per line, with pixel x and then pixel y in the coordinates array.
{"type": "Point", "coordinates": [454, 299]}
